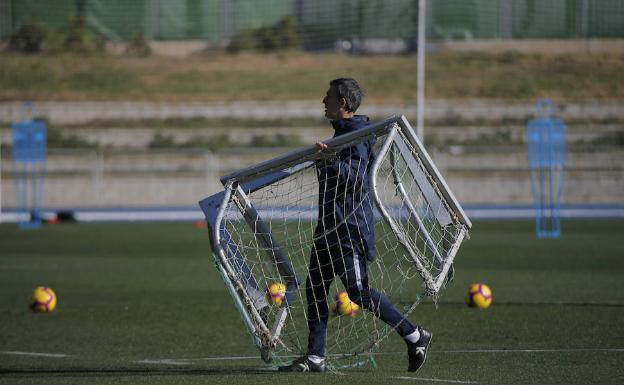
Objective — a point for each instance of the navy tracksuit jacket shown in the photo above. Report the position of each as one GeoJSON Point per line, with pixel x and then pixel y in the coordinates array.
{"type": "Point", "coordinates": [344, 238]}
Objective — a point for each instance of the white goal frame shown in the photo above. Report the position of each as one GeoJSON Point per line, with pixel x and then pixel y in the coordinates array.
{"type": "Point", "coordinates": [400, 140]}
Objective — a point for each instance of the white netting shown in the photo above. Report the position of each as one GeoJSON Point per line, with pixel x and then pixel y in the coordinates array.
{"type": "Point", "coordinates": [416, 235]}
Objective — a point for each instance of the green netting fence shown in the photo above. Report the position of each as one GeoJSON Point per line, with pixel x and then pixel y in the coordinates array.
{"type": "Point", "coordinates": [322, 23]}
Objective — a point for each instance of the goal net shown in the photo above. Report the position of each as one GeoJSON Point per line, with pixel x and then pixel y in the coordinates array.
{"type": "Point", "coordinates": [264, 224]}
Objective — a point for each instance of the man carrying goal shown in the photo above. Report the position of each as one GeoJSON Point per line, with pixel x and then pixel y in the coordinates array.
{"type": "Point", "coordinates": [344, 239]}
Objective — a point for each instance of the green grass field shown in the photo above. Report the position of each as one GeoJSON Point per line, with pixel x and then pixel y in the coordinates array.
{"type": "Point", "coordinates": [143, 304]}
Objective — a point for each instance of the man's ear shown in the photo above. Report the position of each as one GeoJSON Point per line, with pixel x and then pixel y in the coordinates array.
{"type": "Point", "coordinates": [343, 103]}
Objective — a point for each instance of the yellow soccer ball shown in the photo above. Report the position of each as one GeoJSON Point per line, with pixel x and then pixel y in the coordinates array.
{"type": "Point", "coordinates": [275, 293]}
{"type": "Point", "coordinates": [479, 295]}
{"type": "Point", "coordinates": [344, 305]}
{"type": "Point", "coordinates": [43, 300]}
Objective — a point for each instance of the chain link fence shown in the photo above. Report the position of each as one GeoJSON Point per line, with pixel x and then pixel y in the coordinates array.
{"type": "Point", "coordinates": [321, 24]}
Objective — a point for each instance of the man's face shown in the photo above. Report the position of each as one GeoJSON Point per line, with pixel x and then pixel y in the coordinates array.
{"type": "Point", "coordinates": [332, 104]}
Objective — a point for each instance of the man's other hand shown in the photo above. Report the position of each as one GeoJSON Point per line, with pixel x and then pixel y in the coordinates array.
{"type": "Point", "coordinates": [321, 146]}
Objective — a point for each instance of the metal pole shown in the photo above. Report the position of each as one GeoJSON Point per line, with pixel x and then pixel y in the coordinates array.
{"type": "Point", "coordinates": [0, 180]}
{"type": "Point", "coordinates": [505, 20]}
{"type": "Point", "coordinates": [584, 24]}
{"type": "Point", "coordinates": [582, 19]}
{"type": "Point", "coordinates": [420, 85]}
{"type": "Point", "coordinates": [155, 19]}
{"type": "Point", "coordinates": [227, 20]}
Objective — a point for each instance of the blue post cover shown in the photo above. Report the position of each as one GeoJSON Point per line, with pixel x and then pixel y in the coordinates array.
{"type": "Point", "coordinates": [546, 156]}
{"type": "Point", "coordinates": [29, 154]}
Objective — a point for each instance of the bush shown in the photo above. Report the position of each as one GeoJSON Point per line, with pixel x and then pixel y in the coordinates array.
{"type": "Point", "coordinates": [215, 143]}
{"type": "Point", "coordinates": [288, 35]}
{"type": "Point", "coordinates": [245, 40]}
{"type": "Point", "coordinates": [78, 38]}
{"type": "Point", "coordinates": [34, 37]}
{"type": "Point", "coordinates": [284, 35]}
{"type": "Point", "coordinates": [28, 38]}
{"type": "Point", "coordinates": [56, 139]}
{"type": "Point", "coordinates": [279, 140]}
{"type": "Point", "coordinates": [138, 45]}
{"type": "Point", "coordinates": [161, 140]}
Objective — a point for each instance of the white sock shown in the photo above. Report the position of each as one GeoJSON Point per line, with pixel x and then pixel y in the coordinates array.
{"type": "Point", "coordinates": [316, 359]}
{"type": "Point", "coordinates": [414, 337]}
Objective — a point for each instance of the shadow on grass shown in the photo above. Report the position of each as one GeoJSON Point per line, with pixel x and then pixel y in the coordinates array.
{"type": "Point", "coordinates": [101, 372]}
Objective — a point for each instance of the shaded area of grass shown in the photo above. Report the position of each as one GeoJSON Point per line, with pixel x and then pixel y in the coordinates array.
{"type": "Point", "coordinates": [290, 76]}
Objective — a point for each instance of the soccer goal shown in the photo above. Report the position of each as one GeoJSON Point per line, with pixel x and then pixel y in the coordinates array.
{"type": "Point", "coordinates": [263, 224]}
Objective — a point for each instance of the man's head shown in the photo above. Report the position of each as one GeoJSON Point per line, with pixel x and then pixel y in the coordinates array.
{"type": "Point", "coordinates": [342, 99]}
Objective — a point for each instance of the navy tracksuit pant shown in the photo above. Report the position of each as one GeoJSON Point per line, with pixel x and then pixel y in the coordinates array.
{"type": "Point", "coordinates": [344, 237]}
{"type": "Point", "coordinates": [353, 272]}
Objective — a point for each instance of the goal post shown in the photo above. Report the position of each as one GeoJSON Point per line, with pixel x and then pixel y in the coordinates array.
{"type": "Point", "coordinates": [264, 223]}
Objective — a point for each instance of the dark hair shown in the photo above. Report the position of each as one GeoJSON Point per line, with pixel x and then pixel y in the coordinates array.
{"type": "Point", "coordinates": [350, 90]}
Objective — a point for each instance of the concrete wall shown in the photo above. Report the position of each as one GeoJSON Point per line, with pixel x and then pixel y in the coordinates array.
{"type": "Point", "coordinates": [140, 177]}
{"type": "Point", "coordinates": [83, 112]}
{"type": "Point", "coordinates": [181, 178]}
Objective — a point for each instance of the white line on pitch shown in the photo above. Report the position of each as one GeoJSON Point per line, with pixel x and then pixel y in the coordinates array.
{"type": "Point", "coordinates": [33, 354]}
{"type": "Point", "coordinates": [187, 361]}
{"type": "Point", "coordinates": [562, 350]}
{"type": "Point", "coordinates": [435, 380]}
{"type": "Point", "coordinates": [183, 361]}
{"type": "Point", "coordinates": [164, 362]}
{"type": "Point", "coordinates": [530, 350]}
